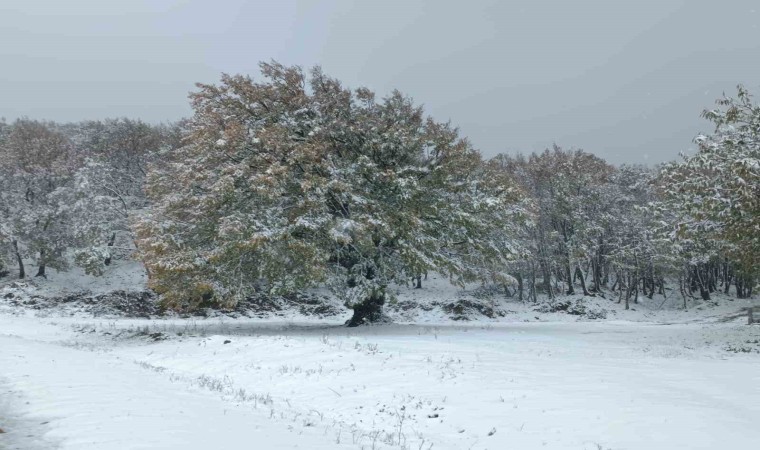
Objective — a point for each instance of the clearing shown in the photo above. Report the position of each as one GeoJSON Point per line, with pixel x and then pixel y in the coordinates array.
{"type": "Point", "coordinates": [73, 381]}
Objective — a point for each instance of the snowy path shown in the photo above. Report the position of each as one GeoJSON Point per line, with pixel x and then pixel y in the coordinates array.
{"type": "Point", "coordinates": [526, 386]}
{"type": "Point", "coordinates": [19, 432]}
{"type": "Point", "coordinates": [94, 400]}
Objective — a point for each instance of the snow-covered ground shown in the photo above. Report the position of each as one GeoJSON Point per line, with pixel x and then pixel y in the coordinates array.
{"type": "Point", "coordinates": [689, 381]}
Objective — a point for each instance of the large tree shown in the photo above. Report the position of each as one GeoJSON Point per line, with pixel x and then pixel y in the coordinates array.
{"type": "Point", "coordinates": [716, 192]}
{"type": "Point", "coordinates": [296, 180]}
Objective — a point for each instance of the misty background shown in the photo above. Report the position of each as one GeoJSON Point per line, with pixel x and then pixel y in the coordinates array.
{"type": "Point", "coordinates": [624, 80]}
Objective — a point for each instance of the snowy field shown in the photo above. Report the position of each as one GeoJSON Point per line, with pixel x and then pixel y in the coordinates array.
{"type": "Point", "coordinates": [74, 384]}
{"type": "Point", "coordinates": [526, 380]}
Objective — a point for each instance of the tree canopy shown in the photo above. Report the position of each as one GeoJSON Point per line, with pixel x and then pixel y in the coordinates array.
{"type": "Point", "coordinates": [296, 180]}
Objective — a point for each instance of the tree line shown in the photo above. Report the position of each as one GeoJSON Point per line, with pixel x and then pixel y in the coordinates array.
{"type": "Point", "coordinates": [294, 181]}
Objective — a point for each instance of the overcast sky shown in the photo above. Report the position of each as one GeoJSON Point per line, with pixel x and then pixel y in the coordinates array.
{"type": "Point", "coordinates": [625, 80]}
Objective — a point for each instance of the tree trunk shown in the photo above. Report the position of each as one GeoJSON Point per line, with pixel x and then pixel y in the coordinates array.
{"type": "Point", "coordinates": [570, 290]}
{"type": "Point", "coordinates": [621, 280]}
{"type": "Point", "coordinates": [617, 281]}
{"type": "Point", "coordinates": [702, 283]}
{"type": "Point", "coordinates": [520, 286]}
{"type": "Point", "coordinates": [368, 311]}
{"type": "Point", "coordinates": [579, 273]}
{"type": "Point", "coordinates": [21, 271]}
{"type": "Point", "coordinates": [636, 293]}
{"type": "Point", "coordinates": [739, 286]}
{"type": "Point", "coordinates": [597, 267]}
{"type": "Point", "coordinates": [661, 282]}
{"type": "Point", "coordinates": [41, 269]}
{"type": "Point", "coordinates": [631, 282]}
{"type": "Point", "coordinates": [111, 242]}
{"type": "Point", "coordinates": [727, 283]}
{"type": "Point", "coordinates": [547, 279]}
{"type": "Point", "coordinates": [419, 282]}
{"type": "Point", "coordinates": [711, 276]}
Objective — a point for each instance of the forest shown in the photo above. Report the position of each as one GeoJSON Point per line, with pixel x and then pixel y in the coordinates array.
{"type": "Point", "coordinates": [293, 180]}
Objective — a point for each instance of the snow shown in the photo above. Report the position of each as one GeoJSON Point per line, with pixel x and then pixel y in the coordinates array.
{"type": "Point", "coordinates": [93, 400]}
{"type": "Point", "coordinates": [78, 382]}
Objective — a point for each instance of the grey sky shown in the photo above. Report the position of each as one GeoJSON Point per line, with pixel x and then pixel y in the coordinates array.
{"type": "Point", "coordinates": [625, 80]}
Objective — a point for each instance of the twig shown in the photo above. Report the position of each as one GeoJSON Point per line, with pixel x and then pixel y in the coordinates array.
{"type": "Point", "coordinates": [336, 392]}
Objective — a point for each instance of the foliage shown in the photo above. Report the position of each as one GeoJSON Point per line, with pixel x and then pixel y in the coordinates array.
{"type": "Point", "coordinates": [717, 190]}
{"type": "Point", "coordinates": [293, 180]}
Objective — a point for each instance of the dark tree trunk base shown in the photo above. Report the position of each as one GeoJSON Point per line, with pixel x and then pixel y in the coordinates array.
{"type": "Point", "coordinates": [111, 242]}
{"type": "Point", "coordinates": [369, 311]}
{"type": "Point", "coordinates": [579, 275]}
{"type": "Point", "coordinates": [21, 270]}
